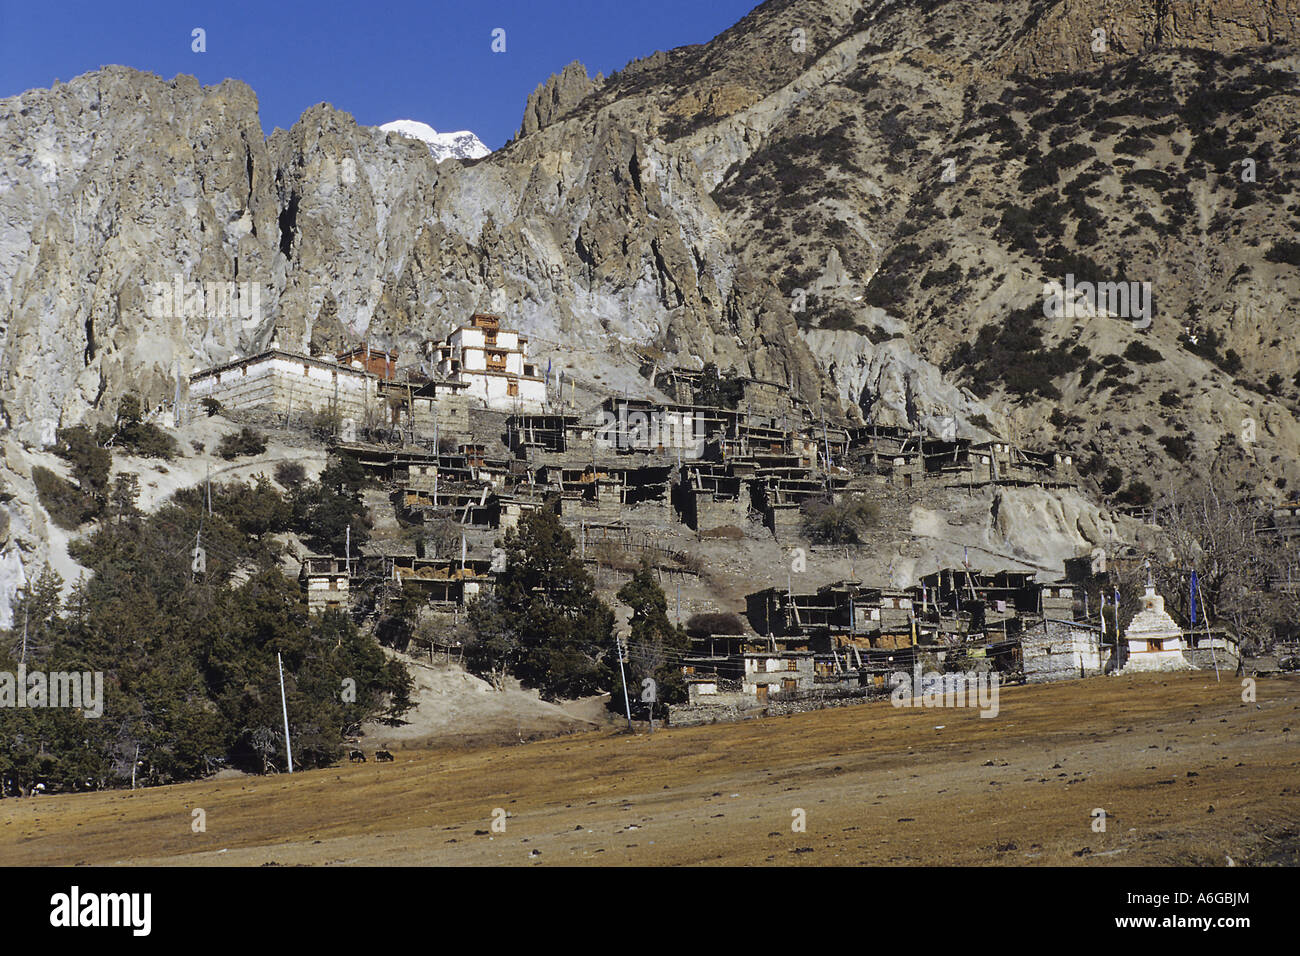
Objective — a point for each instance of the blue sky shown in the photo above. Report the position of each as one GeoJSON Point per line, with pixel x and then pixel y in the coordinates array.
{"type": "Point", "coordinates": [430, 61]}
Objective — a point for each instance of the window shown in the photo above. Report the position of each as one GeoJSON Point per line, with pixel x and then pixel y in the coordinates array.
{"type": "Point", "coordinates": [787, 684]}
{"type": "Point", "coordinates": [512, 388]}
{"type": "Point", "coordinates": [792, 665]}
{"type": "Point", "coordinates": [761, 666]}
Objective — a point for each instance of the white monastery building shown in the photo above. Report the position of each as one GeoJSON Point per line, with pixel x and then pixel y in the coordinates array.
{"type": "Point", "coordinates": [493, 365]}
{"type": "Point", "coordinates": [286, 381]}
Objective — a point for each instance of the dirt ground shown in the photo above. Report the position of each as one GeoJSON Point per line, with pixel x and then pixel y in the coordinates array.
{"type": "Point", "coordinates": [1186, 773]}
{"type": "Point", "coordinates": [456, 710]}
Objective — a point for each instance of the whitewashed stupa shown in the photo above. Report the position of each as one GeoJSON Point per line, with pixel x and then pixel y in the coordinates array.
{"type": "Point", "coordinates": [1155, 641]}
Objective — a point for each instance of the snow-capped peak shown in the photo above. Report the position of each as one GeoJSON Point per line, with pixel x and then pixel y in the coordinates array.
{"type": "Point", "coordinates": [459, 145]}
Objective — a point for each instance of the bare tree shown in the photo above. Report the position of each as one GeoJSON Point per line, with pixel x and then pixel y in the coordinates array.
{"type": "Point", "coordinates": [1229, 542]}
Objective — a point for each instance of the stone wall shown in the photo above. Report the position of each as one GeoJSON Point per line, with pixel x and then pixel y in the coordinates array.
{"type": "Point", "coordinates": [1201, 657]}
{"type": "Point", "coordinates": [448, 415]}
{"type": "Point", "coordinates": [730, 710]}
{"type": "Point", "coordinates": [1056, 651]}
{"type": "Point", "coordinates": [603, 509]}
{"type": "Point", "coordinates": [652, 514]}
{"type": "Point", "coordinates": [710, 513]}
{"type": "Point", "coordinates": [784, 520]}
{"type": "Point", "coordinates": [283, 383]}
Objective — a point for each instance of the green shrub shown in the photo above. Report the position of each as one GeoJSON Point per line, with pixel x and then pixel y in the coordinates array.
{"type": "Point", "coordinates": [840, 318]}
{"type": "Point", "coordinates": [885, 290]}
{"type": "Point", "coordinates": [256, 510]}
{"type": "Point", "coordinates": [1284, 251]}
{"type": "Point", "coordinates": [1134, 146]}
{"type": "Point", "coordinates": [290, 474]}
{"type": "Point", "coordinates": [1138, 493]}
{"type": "Point", "coordinates": [1176, 447]}
{"type": "Point", "coordinates": [134, 435]}
{"type": "Point", "coordinates": [838, 522]}
{"type": "Point", "coordinates": [714, 622]}
{"type": "Point", "coordinates": [90, 462]}
{"type": "Point", "coordinates": [324, 424]}
{"type": "Point", "coordinates": [69, 507]}
{"type": "Point", "coordinates": [1089, 371]}
{"type": "Point", "coordinates": [1072, 154]}
{"type": "Point", "coordinates": [245, 442]}
{"type": "Point", "coordinates": [1142, 354]}
{"type": "Point", "coordinates": [942, 277]}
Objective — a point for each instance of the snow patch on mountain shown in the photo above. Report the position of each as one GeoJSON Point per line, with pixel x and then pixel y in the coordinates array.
{"type": "Point", "coordinates": [461, 144]}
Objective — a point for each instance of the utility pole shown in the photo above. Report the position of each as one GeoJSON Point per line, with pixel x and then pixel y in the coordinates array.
{"type": "Point", "coordinates": [347, 550]}
{"type": "Point", "coordinates": [1213, 656]}
{"type": "Point", "coordinates": [284, 705]}
{"type": "Point", "coordinates": [627, 701]}
{"type": "Point", "coordinates": [826, 442]}
{"type": "Point", "coordinates": [177, 415]}
{"type": "Point", "coordinates": [200, 563]}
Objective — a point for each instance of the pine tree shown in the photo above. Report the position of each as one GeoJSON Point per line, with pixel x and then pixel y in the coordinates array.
{"type": "Point", "coordinates": [545, 624]}
{"type": "Point", "coordinates": [655, 648]}
{"type": "Point", "coordinates": [190, 681]}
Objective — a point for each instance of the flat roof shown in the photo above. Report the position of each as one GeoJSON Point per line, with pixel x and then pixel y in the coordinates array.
{"type": "Point", "coordinates": [280, 353]}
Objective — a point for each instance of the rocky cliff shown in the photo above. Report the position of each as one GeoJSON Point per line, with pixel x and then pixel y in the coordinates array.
{"type": "Point", "coordinates": [1068, 37]}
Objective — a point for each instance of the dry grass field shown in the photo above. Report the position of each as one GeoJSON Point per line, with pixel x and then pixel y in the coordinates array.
{"type": "Point", "coordinates": [1186, 772]}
